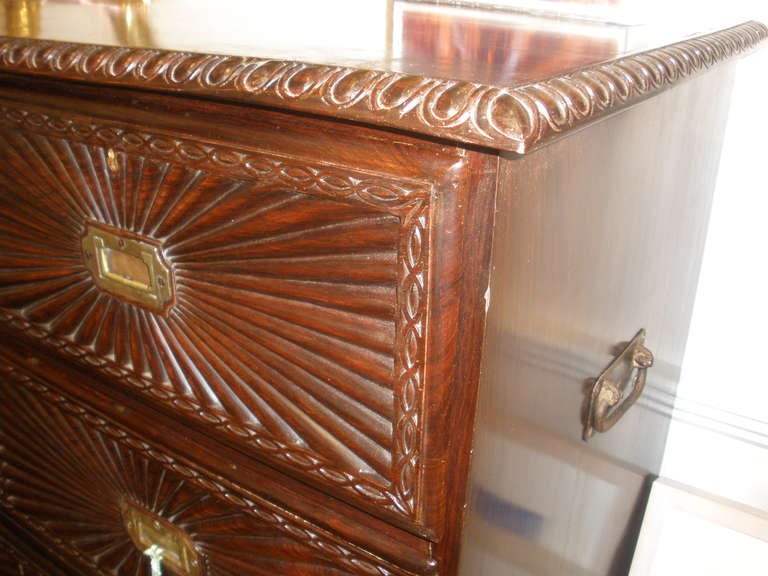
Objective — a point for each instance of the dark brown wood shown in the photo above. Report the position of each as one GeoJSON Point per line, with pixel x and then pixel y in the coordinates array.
{"type": "Point", "coordinates": [458, 400]}
{"type": "Point", "coordinates": [454, 40]}
{"type": "Point", "coordinates": [297, 289]}
{"type": "Point", "coordinates": [513, 109]}
{"type": "Point", "coordinates": [597, 236]}
{"type": "Point", "coordinates": [310, 388]}
{"type": "Point", "coordinates": [23, 555]}
{"type": "Point", "coordinates": [220, 461]}
{"type": "Point", "coordinates": [70, 176]}
{"type": "Point", "coordinates": [67, 472]}
{"type": "Point", "coordinates": [264, 272]}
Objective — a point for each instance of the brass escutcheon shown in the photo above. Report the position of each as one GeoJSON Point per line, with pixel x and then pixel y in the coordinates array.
{"type": "Point", "coordinates": [148, 529]}
{"type": "Point", "coordinates": [129, 267]}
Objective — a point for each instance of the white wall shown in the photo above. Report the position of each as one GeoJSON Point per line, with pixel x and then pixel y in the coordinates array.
{"type": "Point", "coordinates": [718, 439]}
{"type": "Point", "coordinates": [689, 533]}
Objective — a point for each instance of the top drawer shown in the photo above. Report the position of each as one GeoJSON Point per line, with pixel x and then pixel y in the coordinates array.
{"type": "Point", "coordinates": [278, 301]}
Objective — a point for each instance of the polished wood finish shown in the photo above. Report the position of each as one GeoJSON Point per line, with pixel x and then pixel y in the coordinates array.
{"type": "Point", "coordinates": [594, 241]}
{"type": "Point", "coordinates": [304, 402]}
{"type": "Point", "coordinates": [242, 474]}
{"type": "Point", "coordinates": [321, 290]}
{"type": "Point", "coordinates": [59, 305]}
{"type": "Point", "coordinates": [22, 555]}
{"type": "Point", "coordinates": [527, 109]}
{"type": "Point", "coordinates": [307, 283]}
{"type": "Point", "coordinates": [67, 473]}
{"type": "Point", "coordinates": [510, 47]}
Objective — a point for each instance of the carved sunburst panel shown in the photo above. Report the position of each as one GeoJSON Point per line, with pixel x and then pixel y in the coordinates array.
{"type": "Point", "coordinates": [67, 475]}
{"type": "Point", "coordinates": [299, 315]}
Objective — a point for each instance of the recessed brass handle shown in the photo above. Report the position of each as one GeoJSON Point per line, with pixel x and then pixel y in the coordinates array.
{"type": "Point", "coordinates": [618, 387]}
{"type": "Point", "coordinates": [128, 267]}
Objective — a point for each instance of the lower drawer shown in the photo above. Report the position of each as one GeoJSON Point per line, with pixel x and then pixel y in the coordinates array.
{"type": "Point", "coordinates": [99, 497]}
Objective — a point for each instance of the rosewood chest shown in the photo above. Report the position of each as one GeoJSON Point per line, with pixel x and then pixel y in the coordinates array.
{"type": "Point", "coordinates": [249, 294]}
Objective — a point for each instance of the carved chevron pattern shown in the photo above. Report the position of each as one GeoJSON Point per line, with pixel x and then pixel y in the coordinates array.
{"type": "Point", "coordinates": [313, 276]}
{"type": "Point", "coordinates": [66, 471]}
{"type": "Point", "coordinates": [511, 118]}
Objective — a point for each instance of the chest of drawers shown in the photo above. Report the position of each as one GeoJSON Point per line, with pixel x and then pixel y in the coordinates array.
{"type": "Point", "coordinates": [246, 305]}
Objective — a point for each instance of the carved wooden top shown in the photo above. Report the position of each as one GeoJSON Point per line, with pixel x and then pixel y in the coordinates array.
{"type": "Point", "coordinates": [528, 96]}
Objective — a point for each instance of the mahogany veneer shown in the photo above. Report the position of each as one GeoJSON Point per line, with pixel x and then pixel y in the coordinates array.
{"type": "Point", "coordinates": [302, 400]}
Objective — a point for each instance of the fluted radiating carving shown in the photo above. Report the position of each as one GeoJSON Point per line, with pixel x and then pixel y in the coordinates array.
{"type": "Point", "coordinates": [515, 118]}
{"type": "Point", "coordinates": [14, 563]}
{"type": "Point", "coordinates": [300, 314]}
{"type": "Point", "coordinates": [66, 472]}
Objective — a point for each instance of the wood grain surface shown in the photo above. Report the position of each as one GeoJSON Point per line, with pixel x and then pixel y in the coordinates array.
{"type": "Point", "coordinates": [335, 235]}
{"type": "Point", "coordinates": [313, 327]}
{"type": "Point", "coordinates": [66, 472]}
{"type": "Point", "coordinates": [515, 118]}
{"type": "Point", "coordinates": [288, 333]}
{"type": "Point", "coordinates": [597, 236]}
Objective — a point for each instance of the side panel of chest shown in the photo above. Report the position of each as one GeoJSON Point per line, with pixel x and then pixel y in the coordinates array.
{"type": "Point", "coordinates": [599, 235]}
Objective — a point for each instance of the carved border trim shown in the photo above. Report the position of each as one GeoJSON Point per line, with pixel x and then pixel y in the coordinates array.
{"type": "Point", "coordinates": [409, 200]}
{"type": "Point", "coordinates": [265, 169]}
{"type": "Point", "coordinates": [516, 119]}
{"type": "Point", "coordinates": [293, 526]}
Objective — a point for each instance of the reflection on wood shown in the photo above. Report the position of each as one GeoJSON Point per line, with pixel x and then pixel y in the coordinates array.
{"type": "Point", "coordinates": [464, 46]}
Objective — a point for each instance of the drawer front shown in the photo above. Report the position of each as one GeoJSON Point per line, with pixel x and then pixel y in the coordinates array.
{"type": "Point", "coordinates": [279, 302]}
{"type": "Point", "coordinates": [99, 495]}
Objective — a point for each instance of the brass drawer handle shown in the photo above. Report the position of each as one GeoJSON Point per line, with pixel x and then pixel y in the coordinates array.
{"type": "Point", "coordinates": [608, 399]}
{"type": "Point", "coordinates": [128, 267]}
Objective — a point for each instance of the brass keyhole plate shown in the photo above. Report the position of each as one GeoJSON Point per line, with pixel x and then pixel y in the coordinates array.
{"type": "Point", "coordinates": [129, 267]}
{"type": "Point", "coordinates": [146, 529]}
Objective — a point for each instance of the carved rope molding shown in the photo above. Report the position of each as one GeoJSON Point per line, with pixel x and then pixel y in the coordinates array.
{"type": "Point", "coordinates": [294, 527]}
{"type": "Point", "coordinates": [516, 119]}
